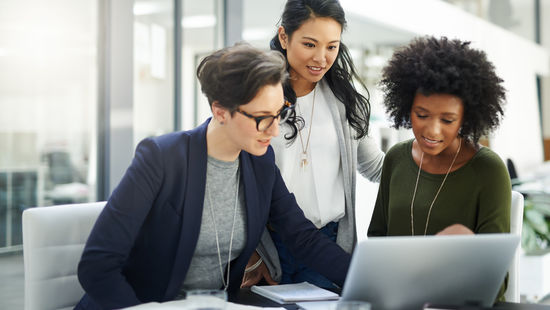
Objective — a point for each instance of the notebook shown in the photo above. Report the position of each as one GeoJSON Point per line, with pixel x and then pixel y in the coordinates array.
{"type": "Point", "coordinates": [400, 273]}
{"type": "Point", "coordinates": [292, 293]}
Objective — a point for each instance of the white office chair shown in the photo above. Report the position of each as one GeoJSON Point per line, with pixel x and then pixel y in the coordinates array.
{"type": "Point", "coordinates": [53, 240]}
{"type": "Point", "coordinates": [516, 224]}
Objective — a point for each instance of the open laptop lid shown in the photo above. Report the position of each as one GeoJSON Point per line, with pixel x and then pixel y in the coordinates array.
{"type": "Point", "coordinates": [407, 272]}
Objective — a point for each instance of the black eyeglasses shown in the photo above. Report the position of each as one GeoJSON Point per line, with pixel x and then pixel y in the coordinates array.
{"type": "Point", "coordinates": [264, 122]}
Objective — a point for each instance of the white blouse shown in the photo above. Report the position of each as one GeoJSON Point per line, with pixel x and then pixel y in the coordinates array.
{"type": "Point", "coordinates": [318, 185]}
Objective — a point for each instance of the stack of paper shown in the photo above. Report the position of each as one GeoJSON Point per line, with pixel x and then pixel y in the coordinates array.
{"type": "Point", "coordinates": [292, 293]}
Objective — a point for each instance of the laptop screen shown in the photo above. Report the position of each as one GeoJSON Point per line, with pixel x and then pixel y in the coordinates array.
{"type": "Point", "coordinates": [407, 272]}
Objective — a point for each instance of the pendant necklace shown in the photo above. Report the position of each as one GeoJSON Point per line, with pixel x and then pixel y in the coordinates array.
{"type": "Point", "coordinates": [303, 155]}
{"type": "Point", "coordinates": [224, 282]}
{"type": "Point", "coordinates": [440, 187]}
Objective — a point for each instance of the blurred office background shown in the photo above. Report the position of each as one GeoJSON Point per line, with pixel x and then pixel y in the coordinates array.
{"type": "Point", "coordinates": [82, 82]}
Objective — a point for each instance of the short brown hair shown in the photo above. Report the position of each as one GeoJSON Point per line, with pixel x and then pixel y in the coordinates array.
{"type": "Point", "coordinates": [234, 75]}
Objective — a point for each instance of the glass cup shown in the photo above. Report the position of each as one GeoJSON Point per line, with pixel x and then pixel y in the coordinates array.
{"type": "Point", "coordinates": [206, 299]}
{"type": "Point", "coordinates": [352, 305]}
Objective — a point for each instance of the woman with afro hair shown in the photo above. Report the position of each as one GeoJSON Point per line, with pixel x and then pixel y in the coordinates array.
{"type": "Point", "coordinates": [442, 181]}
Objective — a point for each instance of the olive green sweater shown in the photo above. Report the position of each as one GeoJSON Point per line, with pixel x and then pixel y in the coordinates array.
{"type": "Point", "coordinates": [477, 195]}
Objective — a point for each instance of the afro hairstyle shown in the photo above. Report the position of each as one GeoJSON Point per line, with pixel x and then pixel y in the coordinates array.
{"type": "Point", "coordinates": [442, 66]}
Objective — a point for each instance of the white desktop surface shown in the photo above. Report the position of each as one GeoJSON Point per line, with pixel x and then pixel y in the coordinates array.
{"type": "Point", "coordinates": [317, 305]}
{"type": "Point", "coordinates": [181, 304]}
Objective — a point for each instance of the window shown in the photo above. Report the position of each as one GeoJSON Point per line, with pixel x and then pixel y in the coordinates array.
{"type": "Point", "coordinates": [153, 68]}
{"type": "Point", "coordinates": [48, 99]}
{"type": "Point", "coordinates": [202, 34]}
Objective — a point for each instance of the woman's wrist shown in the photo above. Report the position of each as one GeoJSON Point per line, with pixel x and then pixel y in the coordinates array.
{"type": "Point", "coordinates": [254, 267]}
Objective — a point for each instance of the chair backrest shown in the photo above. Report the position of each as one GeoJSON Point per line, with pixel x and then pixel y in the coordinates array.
{"type": "Point", "coordinates": [516, 224]}
{"type": "Point", "coordinates": [53, 240]}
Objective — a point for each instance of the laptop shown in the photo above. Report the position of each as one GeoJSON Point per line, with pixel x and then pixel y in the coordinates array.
{"type": "Point", "coordinates": [401, 273]}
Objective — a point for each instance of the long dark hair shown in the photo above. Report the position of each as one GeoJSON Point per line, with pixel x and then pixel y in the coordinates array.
{"type": "Point", "coordinates": [339, 77]}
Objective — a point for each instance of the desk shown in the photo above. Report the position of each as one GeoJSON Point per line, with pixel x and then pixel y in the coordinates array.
{"type": "Point", "coordinates": [518, 306]}
{"type": "Point", "coordinates": [248, 298]}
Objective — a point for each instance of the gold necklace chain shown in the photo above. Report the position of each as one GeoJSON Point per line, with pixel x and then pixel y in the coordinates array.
{"type": "Point", "coordinates": [440, 187]}
{"type": "Point", "coordinates": [303, 156]}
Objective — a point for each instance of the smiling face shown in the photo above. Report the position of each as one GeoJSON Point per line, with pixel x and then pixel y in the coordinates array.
{"type": "Point", "coordinates": [241, 130]}
{"type": "Point", "coordinates": [436, 121]}
{"type": "Point", "coordinates": [311, 51]}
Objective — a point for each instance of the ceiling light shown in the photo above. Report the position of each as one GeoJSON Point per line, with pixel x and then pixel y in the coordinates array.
{"type": "Point", "coordinates": [198, 21]}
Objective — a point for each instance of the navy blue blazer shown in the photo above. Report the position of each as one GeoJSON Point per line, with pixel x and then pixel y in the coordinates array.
{"type": "Point", "coordinates": [142, 243]}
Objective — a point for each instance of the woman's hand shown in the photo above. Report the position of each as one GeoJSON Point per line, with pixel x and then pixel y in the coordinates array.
{"type": "Point", "coordinates": [456, 229]}
{"type": "Point", "coordinates": [255, 271]}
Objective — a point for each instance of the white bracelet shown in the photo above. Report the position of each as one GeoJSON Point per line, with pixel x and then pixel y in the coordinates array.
{"type": "Point", "coordinates": [253, 267]}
